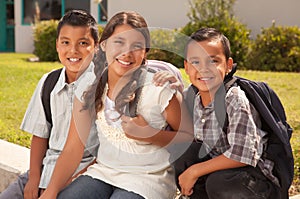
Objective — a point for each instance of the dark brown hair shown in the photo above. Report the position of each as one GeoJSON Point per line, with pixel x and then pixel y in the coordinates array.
{"type": "Point", "coordinates": [79, 18]}
{"type": "Point", "coordinates": [204, 34]}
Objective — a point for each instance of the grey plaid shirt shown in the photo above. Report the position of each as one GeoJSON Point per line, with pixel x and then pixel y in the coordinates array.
{"type": "Point", "coordinates": [244, 141]}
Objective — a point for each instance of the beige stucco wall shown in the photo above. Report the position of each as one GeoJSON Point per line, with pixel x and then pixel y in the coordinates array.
{"type": "Point", "coordinates": [158, 13]}
{"type": "Point", "coordinates": [173, 14]}
{"type": "Point", "coordinates": [260, 13]}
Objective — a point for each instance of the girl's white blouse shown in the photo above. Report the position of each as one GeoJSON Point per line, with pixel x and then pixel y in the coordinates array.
{"type": "Point", "coordinates": [136, 166]}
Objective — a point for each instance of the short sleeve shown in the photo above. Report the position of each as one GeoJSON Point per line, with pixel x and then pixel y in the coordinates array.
{"type": "Point", "coordinates": [244, 137]}
{"type": "Point", "coordinates": [34, 120]}
{"type": "Point", "coordinates": [153, 102]}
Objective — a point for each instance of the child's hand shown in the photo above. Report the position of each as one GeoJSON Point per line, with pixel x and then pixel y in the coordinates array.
{"type": "Point", "coordinates": [161, 77]}
{"type": "Point", "coordinates": [137, 128]}
{"type": "Point", "coordinates": [48, 195]}
{"type": "Point", "coordinates": [187, 182]}
{"type": "Point", "coordinates": [31, 190]}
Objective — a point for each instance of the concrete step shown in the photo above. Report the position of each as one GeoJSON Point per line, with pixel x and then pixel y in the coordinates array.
{"type": "Point", "coordinates": [14, 160]}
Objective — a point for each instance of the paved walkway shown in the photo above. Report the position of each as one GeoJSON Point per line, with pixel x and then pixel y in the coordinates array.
{"type": "Point", "coordinates": [14, 159]}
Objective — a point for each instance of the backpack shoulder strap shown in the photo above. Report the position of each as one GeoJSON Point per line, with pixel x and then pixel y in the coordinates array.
{"type": "Point", "coordinates": [48, 86]}
{"type": "Point", "coordinates": [189, 95]}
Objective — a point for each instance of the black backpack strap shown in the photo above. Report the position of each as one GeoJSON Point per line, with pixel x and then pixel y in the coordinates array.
{"type": "Point", "coordinates": [219, 102]}
{"type": "Point", "coordinates": [189, 95]}
{"type": "Point", "coordinates": [48, 86]}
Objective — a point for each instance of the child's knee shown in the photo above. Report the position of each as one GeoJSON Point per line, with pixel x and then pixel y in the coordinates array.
{"type": "Point", "coordinates": [235, 183]}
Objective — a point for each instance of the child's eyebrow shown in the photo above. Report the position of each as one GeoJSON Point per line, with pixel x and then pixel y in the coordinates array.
{"type": "Point", "coordinates": [119, 37]}
{"type": "Point", "coordinates": [194, 57]}
{"type": "Point", "coordinates": [63, 37]}
{"type": "Point", "coordinates": [214, 56]}
{"type": "Point", "coordinates": [83, 38]}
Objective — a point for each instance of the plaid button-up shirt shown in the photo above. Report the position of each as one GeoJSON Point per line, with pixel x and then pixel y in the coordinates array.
{"type": "Point", "coordinates": [244, 141]}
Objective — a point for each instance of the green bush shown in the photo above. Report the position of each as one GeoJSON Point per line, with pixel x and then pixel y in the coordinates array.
{"type": "Point", "coordinates": [44, 35]}
{"type": "Point", "coordinates": [276, 49]}
{"type": "Point", "coordinates": [166, 45]}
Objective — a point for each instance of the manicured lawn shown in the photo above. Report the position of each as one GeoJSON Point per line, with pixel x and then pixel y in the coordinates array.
{"type": "Point", "coordinates": [18, 79]}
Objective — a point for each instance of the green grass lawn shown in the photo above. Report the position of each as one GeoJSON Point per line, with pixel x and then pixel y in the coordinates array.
{"type": "Point", "coordinates": [18, 79]}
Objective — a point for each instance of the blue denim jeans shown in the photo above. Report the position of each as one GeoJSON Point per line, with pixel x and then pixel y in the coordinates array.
{"type": "Point", "coordinates": [86, 187]}
{"type": "Point", "coordinates": [16, 189]}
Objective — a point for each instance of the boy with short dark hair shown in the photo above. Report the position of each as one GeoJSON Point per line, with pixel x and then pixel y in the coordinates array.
{"type": "Point", "coordinates": [222, 164]}
{"type": "Point", "coordinates": [76, 43]}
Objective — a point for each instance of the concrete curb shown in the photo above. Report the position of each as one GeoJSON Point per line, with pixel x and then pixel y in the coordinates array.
{"type": "Point", "coordinates": [14, 160]}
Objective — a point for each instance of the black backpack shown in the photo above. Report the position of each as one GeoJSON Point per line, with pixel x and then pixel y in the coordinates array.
{"type": "Point", "coordinates": [273, 119]}
{"type": "Point", "coordinates": [48, 86]}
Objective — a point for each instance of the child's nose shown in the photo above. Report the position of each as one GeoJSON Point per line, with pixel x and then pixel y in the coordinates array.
{"type": "Point", "coordinates": [126, 51]}
{"type": "Point", "coordinates": [73, 48]}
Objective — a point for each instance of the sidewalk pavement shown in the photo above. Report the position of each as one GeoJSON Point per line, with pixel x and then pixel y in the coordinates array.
{"type": "Point", "coordinates": [14, 160]}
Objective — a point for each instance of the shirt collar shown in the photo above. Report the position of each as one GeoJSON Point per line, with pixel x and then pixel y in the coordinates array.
{"type": "Point", "coordinates": [61, 83]}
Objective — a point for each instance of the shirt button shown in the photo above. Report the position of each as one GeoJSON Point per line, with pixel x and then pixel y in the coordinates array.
{"type": "Point", "coordinates": [202, 120]}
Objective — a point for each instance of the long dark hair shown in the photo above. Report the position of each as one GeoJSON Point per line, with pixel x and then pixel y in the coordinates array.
{"type": "Point", "coordinates": [94, 96]}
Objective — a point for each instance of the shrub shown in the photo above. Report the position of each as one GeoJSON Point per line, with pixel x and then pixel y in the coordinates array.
{"type": "Point", "coordinates": [166, 45]}
{"type": "Point", "coordinates": [44, 35]}
{"type": "Point", "coordinates": [277, 48]}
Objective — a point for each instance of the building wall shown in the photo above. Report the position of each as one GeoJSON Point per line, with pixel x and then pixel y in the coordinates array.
{"type": "Point", "coordinates": [173, 14]}
{"type": "Point", "coordinates": [260, 13]}
{"type": "Point", "coordinates": [23, 33]}
{"type": "Point", "coordinates": [158, 13]}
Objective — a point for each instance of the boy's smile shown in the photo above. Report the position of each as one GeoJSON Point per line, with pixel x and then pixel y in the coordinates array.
{"type": "Point", "coordinates": [76, 47]}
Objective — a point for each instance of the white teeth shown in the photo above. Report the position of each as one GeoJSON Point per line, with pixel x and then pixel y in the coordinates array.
{"type": "Point", "coordinates": [123, 62]}
{"type": "Point", "coordinates": [73, 59]}
{"type": "Point", "coordinates": [205, 78]}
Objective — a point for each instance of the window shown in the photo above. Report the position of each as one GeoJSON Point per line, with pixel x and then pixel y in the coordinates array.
{"type": "Point", "coordinates": [50, 9]}
{"type": "Point", "coordinates": [102, 11]}
{"type": "Point", "coordinates": [77, 4]}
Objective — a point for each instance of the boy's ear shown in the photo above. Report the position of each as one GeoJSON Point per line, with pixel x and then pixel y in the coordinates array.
{"type": "Point", "coordinates": [56, 45]}
{"type": "Point", "coordinates": [229, 64]}
{"type": "Point", "coordinates": [186, 66]}
{"type": "Point", "coordinates": [103, 46]}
